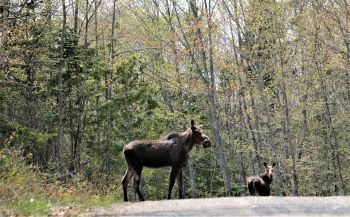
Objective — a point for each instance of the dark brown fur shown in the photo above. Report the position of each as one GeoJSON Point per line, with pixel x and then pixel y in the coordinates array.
{"type": "Point", "coordinates": [261, 185]}
{"type": "Point", "coordinates": [171, 151]}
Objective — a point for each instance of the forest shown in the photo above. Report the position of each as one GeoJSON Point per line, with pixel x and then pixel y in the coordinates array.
{"type": "Point", "coordinates": [269, 80]}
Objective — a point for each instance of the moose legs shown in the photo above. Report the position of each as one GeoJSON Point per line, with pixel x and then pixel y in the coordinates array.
{"type": "Point", "coordinates": [179, 183]}
{"type": "Point", "coordinates": [126, 179]}
{"type": "Point", "coordinates": [176, 172]}
{"type": "Point", "coordinates": [137, 179]}
{"type": "Point", "coordinates": [136, 175]}
{"type": "Point", "coordinates": [251, 187]}
{"type": "Point", "coordinates": [173, 174]}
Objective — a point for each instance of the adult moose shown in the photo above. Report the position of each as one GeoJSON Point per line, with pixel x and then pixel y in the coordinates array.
{"type": "Point", "coordinates": [172, 151]}
{"type": "Point", "coordinates": [260, 185]}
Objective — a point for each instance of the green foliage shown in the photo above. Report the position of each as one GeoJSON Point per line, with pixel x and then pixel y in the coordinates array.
{"type": "Point", "coordinates": [30, 207]}
{"type": "Point", "coordinates": [19, 183]}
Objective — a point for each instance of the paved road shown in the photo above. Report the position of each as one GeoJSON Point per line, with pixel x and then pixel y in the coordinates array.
{"type": "Point", "coordinates": [233, 206]}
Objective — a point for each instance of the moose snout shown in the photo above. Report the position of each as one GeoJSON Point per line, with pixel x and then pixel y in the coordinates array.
{"type": "Point", "coordinates": [206, 143]}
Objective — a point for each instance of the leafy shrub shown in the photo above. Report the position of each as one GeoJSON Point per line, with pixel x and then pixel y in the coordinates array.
{"type": "Point", "coordinates": [17, 180]}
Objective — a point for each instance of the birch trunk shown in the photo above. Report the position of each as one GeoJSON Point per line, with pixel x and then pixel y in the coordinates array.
{"type": "Point", "coordinates": [109, 93]}
{"type": "Point", "coordinates": [97, 100]}
{"type": "Point", "coordinates": [212, 101]}
{"type": "Point", "coordinates": [287, 129]}
{"type": "Point", "coordinates": [60, 85]}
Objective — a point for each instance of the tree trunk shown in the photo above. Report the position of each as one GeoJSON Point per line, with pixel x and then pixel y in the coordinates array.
{"type": "Point", "coordinates": [210, 84]}
{"type": "Point", "coordinates": [193, 182]}
{"type": "Point", "coordinates": [255, 136]}
{"type": "Point", "coordinates": [332, 138]}
{"type": "Point", "coordinates": [304, 112]}
{"type": "Point", "coordinates": [249, 124]}
{"type": "Point", "coordinates": [60, 86]}
{"type": "Point", "coordinates": [243, 173]}
{"type": "Point", "coordinates": [212, 100]}
{"type": "Point", "coordinates": [256, 120]}
{"type": "Point", "coordinates": [4, 63]}
{"type": "Point", "coordinates": [287, 129]}
{"type": "Point", "coordinates": [187, 45]}
{"type": "Point", "coordinates": [109, 93]}
{"type": "Point", "coordinates": [4, 13]}
{"type": "Point", "coordinates": [97, 102]}
{"type": "Point", "coordinates": [76, 13]}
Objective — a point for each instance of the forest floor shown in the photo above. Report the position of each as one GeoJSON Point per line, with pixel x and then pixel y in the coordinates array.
{"type": "Point", "coordinates": [232, 206]}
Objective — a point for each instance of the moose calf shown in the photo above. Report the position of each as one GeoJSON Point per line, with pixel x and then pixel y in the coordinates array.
{"type": "Point", "coordinates": [260, 185]}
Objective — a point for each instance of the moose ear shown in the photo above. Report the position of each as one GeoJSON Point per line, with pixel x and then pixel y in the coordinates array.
{"type": "Point", "coordinates": [265, 164]}
{"type": "Point", "coordinates": [192, 123]}
{"type": "Point", "coordinates": [274, 164]}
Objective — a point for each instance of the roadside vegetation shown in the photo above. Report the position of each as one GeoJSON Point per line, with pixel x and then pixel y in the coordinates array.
{"type": "Point", "coordinates": [25, 191]}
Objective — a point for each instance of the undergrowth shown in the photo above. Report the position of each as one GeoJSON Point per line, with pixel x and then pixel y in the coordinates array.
{"type": "Point", "coordinates": [25, 191]}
